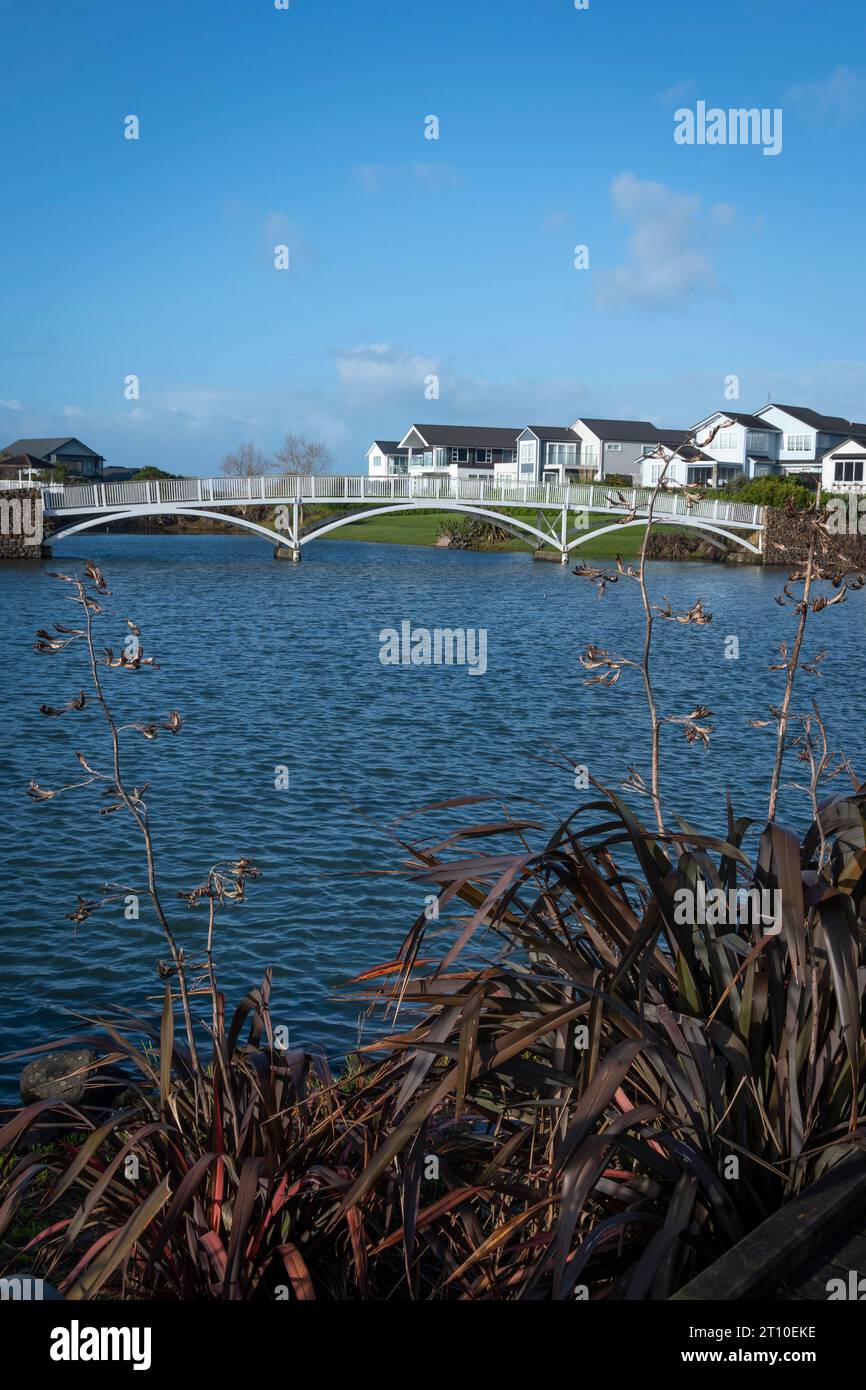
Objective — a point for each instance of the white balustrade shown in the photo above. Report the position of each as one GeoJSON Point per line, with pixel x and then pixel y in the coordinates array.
{"type": "Point", "coordinates": [426, 489]}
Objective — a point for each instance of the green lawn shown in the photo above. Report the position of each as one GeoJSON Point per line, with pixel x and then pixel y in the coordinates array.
{"type": "Point", "coordinates": [422, 528]}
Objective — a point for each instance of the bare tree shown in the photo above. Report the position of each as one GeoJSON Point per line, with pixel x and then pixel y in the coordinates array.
{"type": "Point", "coordinates": [304, 456]}
{"type": "Point", "coordinates": [246, 461]}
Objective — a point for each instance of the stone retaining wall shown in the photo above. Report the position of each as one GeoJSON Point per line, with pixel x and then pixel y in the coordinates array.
{"type": "Point", "coordinates": [21, 524]}
{"type": "Point", "coordinates": [785, 539]}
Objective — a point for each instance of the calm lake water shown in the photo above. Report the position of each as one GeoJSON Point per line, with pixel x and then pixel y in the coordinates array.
{"type": "Point", "coordinates": [273, 664]}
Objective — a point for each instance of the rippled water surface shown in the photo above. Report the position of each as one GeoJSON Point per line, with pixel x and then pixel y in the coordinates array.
{"type": "Point", "coordinates": [272, 664]}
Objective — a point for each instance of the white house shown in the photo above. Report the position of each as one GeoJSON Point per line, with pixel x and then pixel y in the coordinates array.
{"type": "Point", "coordinates": [843, 467]}
{"type": "Point", "coordinates": [806, 435]}
{"type": "Point", "coordinates": [549, 453]}
{"type": "Point", "coordinates": [723, 445]}
{"type": "Point", "coordinates": [590, 448]}
{"type": "Point", "coordinates": [458, 451]}
{"type": "Point", "coordinates": [385, 458]}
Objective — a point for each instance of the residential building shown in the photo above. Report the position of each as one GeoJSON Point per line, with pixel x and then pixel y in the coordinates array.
{"type": "Point", "coordinates": [458, 451]}
{"type": "Point", "coordinates": [589, 449]}
{"type": "Point", "coordinates": [618, 446]}
{"type": "Point", "coordinates": [549, 453]}
{"type": "Point", "coordinates": [385, 458]}
{"type": "Point", "coordinates": [843, 466]}
{"type": "Point", "coordinates": [69, 453]}
{"type": "Point", "coordinates": [807, 435]}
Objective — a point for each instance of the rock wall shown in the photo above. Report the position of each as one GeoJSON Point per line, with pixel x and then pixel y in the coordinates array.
{"type": "Point", "coordinates": [785, 539]}
{"type": "Point", "coordinates": [21, 524]}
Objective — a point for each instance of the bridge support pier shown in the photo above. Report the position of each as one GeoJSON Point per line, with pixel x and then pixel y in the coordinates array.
{"type": "Point", "coordinates": [292, 549]}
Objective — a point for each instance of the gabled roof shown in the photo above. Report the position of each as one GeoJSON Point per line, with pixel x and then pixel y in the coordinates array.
{"type": "Point", "coordinates": [463, 436]}
{"type": "Point", "coordinates": [40, 448]}
{"type": "Point", "coordinates": [553, 434]}
{"type": "Point", "coordinates": [387, 446]}
{"type": "Point", "coordinates": [674, 438]}
{"type": "Point", "coordinates": [827, 424]}
{"type": "Point", "coordinates": [751, 422]}
{"type": "Point", "coordinates": [860, 440]}
{"type": "Point", "coordinates": [692, 454]}
{"type": "Point", "coordinates": [629, 431]}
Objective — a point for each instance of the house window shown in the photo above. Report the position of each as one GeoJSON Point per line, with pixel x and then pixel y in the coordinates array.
{"type": "Point", "coordinates": [483, 455]}
{"type": "Point", "coordinates": [728, 439]}
{"type": "Point", "coordinates": [562, 455]}
{"type": "Point", "coordinates": [759, 442]}
{"type": "Point", "coordinates": [849, 471]}
{"type": "Point", "coordinates": [614, 448]}
{"type": "Point", "coordinates": [527, 468]}
{"type": "Point", "coordinates": [647, 450]}
{"type": "Point", "coordinates": [459, 455]}
{"type": "Point", "coordinates": [798, 443]}
{"type": "Point", "coordinates": [509, 455]}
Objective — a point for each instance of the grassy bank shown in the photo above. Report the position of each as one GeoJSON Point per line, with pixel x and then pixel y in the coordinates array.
{"type": "Point", "coordinates": [422, 528]}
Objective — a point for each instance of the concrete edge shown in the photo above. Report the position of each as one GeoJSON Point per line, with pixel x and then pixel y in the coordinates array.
{"type": "Point", "coordinates": [786, 1239]}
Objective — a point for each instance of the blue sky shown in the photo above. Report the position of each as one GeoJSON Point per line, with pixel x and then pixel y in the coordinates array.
{"type": "Point", "coordinates": [412, 257]}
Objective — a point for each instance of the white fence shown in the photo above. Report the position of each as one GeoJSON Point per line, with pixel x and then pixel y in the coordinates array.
{"type": "Point", "coordinates": [273, 489]}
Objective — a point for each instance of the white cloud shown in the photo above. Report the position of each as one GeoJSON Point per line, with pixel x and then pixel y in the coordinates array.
{"type": "Point", "coordinates": [842, 93]}
{"type": "Point", "coordinates": [380, 370]}
{"type": "Point", "coordinates": [668, 264]}
{"type": "Point", "coordinates": [11, 405]}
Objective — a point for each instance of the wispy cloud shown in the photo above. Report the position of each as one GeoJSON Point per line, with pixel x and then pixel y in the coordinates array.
{"type": "Point", "coordinates": [378, 370]}
{"type": "Point", "coordinates": [678, 91]}
{"type": "Point", "coordinates": [668, 263]}
{"type": "Point", "coordinates": [841, 94]}
{"type": "Point", "coordinates": [555, 220]}
{"type": "Point", "coordinates": [11, 405]}
{"type": "Point", "coordinates": [433, 176]}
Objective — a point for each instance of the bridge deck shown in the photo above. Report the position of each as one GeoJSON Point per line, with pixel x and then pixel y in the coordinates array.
{"type": "Point", "coordinates": [273, 490]}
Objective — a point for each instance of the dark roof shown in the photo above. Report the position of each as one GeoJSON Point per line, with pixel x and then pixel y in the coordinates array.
{"type": "Point", "coordinates": [22, 461]}
{"type": "Point", "coordinates": [388, 446]}
{"type": "Point", "coordinates": [629, 431]}
{"type": "Point", "coordinates": [118, 474]}
{"type": "Point", "coordinates": [827, 424]}
{"type": "Point", "coordinates": [674, 437]}
{"type": "Point", "coordinates": [467, 436]}
{"type": "Point", "coordinates": [751, 422]}
{"type": "Point", "coordinates": [41, 448]}
{"type": "Point", "coordinates": [692, 454]}
{"type": "Point", "coordinates": [554, 433]}
{"type": "Point", "coordinates": [850, 439]}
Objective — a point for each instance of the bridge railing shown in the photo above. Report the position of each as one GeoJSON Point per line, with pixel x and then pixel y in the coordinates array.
{"type": "Point", "coordinates": [273, 488]}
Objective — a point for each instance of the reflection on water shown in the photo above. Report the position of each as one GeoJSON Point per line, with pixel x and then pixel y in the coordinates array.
{"type": "Point", "coordinates": [278, 665]}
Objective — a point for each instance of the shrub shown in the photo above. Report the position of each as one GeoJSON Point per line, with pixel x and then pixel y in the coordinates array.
{"type": "Point", "coordinates": [766, 492]}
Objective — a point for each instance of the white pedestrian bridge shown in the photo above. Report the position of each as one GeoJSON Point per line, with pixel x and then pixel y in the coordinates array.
{"type": "Point", "coordinates": [563, 514]}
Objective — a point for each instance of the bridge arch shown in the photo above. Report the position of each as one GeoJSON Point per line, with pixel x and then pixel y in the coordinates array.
{"type": "Point", "coordinates": [468, 508]}
{"type": "Point", "coordinates": [106, 519]}
{"type": "Point", "coordinates": [285, 538]}
{"type": "Point", "coordinates": [687, 522]}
